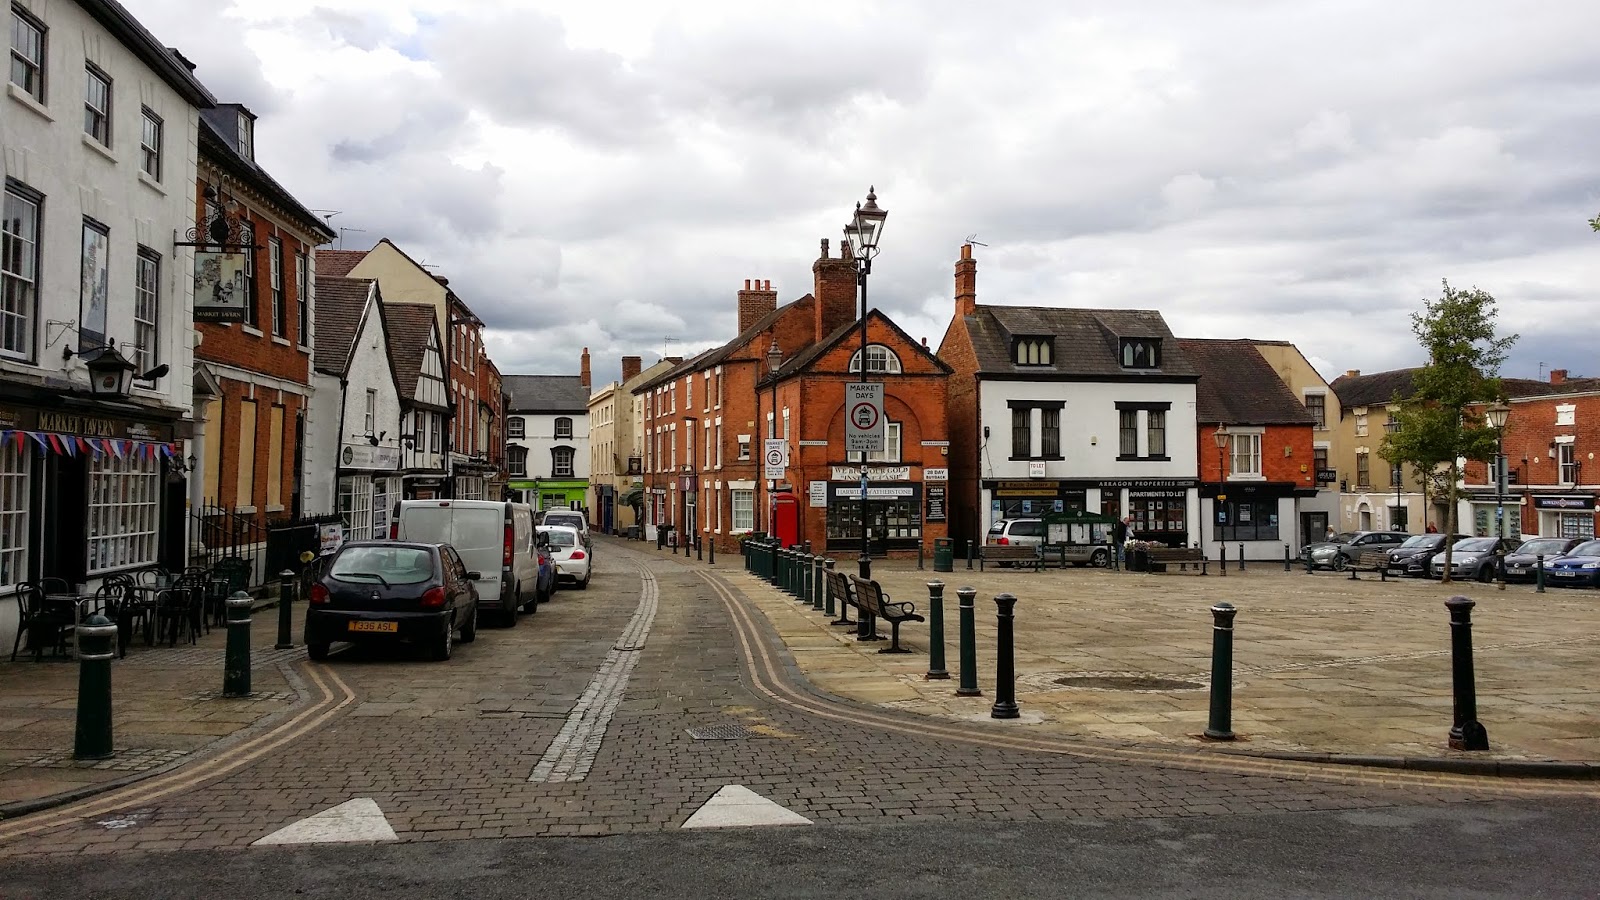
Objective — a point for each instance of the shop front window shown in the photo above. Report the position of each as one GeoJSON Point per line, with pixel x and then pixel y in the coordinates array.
{"type": "Point", "coordinates": [14, 470]}
{"type": "Point", "coordinates": [1483, 521]}
{"type": "Point", "coordinates": [1575, 525]}
{"type": "Point", "coordinates": [1247, 520]}
{"type": "Point", "coordinates": [355, 505]}
{"type": "Point", "coordinates": [1160, 516]}
{"type": "Point", "coordinates": [894, 523]}
{"type": "Point", "coordinates": [124, 512]}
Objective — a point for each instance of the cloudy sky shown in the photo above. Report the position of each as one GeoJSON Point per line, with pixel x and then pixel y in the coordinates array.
{"type": "Point", "coordinates": [607, 174]}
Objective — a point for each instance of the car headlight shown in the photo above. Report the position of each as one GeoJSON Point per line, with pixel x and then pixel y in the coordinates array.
{"type": "Point", "coordinates": [1592, 565]}
{"type": "Point", "coordinates": [1468, 559]}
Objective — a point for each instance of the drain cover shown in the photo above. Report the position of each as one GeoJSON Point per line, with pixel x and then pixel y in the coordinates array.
{"type": "Point", "coordinates": [1129, 683]}
{"type": "Point", "coordinates": [720, 733]}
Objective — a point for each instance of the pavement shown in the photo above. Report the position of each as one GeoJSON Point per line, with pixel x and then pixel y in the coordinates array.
{"type": "Point", "coordinates": [634, 706]}
{"type": "Point", "coordinates": [1322, 664]}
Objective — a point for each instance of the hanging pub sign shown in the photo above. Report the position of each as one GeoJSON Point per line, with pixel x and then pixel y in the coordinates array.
{"type": "Point", "coordinates": [222, 242]}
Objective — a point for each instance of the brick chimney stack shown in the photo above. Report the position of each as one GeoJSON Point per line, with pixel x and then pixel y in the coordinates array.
{"type": "Point", "coordinates": [835, 291]}
{"type": "Point", "coordinates": [583, 370]}
{"type": "Point", "coordinates": [1352, 373]}
{"type": "Point", "coordinates": [966, 283]}
{"type": "Point", "coordinates": [630, 368]}
{"type": "Point", "coordinates": [756, 300]}
{"type": "Point", "coordinates": [1558, 376]}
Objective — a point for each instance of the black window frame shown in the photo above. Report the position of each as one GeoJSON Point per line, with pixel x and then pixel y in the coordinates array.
{"type": "Point", "coordinates": [93, 73]}
{"type": "Point", "coordinates": [1022, 432]}
{"type": "Point", "coordinates": [1135, 346]}
{"type": "Point", "coordinates": [520, 432]}
{"type": "Point", "coordinates": [1050, 432]}
{"type": "Point", "coordinates": [40, 68]}
{"type": "Point", "coordinates": [1155, 434]}
{"type": "Point", "coordinates": [1228, 526]}
{"type": "Point", "coordinates": [1128, 434]}
{"type": "Point", "coordinates": [1041, 349]}
{"type": "Point", "coordinates": [1318, 410]}
{"type": "Point", "coordinates": [558, 432]}
{"type": "Point", "coordinates": [571, 456]}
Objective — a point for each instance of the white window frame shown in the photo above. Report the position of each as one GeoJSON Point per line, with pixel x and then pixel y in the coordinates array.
{"type": "Point", "coordinates": [146, 310]}
{"type": "Point", "coordinates": [280, 314]}
{"type": "Point", "coordinates": [517, 460]}
{"type": "Point", "coordinates": [878, 355]}
{"type": "Point", "coordinates": [370, 414]}
{"type": "Point", "coordinates": [1322, 423]}
{"type": "Point", "coordinates": [1244, 454]}
{"type": "Point", "coordinates": [302, 298]}
{"type": "Point", "coordinates": [516, 427]}
{"type": "Point", "coordinates": [891, 445]}
{"type": "Point", "coordinates": [124, 512]}
{"type": "Point", "coordinates": [246, 137]}
{"type": "Point", "coordinates": [743, 503]}
{"type": "Point", "coordinates": [716, 430]}
{"type": "Point", "coordinates": [150, 141]}
{"type": "Point", "coordinates": [19, 288]}
{"type": "Point", "coordinates": [557, 427]}
{"type": "Point", "coordinates": [744, 446]}
{"type": "Point", "coordinates": [355, 503]}
{"type": "Point", "coordinates": [97, 119]}
{"type": "Point", "coordinates": [16, 521]}
{"type": "Point", "coordinates": [34, 64]}
{"type": "Point", "coordinates": [557, 454]}
{"type": "Point", "coordinates": [1566, 463]}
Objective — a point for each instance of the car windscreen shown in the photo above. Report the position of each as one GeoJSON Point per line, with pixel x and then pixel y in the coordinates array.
{"type": "Point", "coordinates": [1547, 548]}
{"type": "Point", "coordinates": [388, 565]}
{"type": "Point", "coordinates": [1475, 544]}
{"type": "Point", "coordinates": [1342, 538]}
{"type": "Point", "coordinates": [998, 527]}
{"type": "Point", "coordinates": [1418, 540]}
{"type": "Point", "coordinates": [1591, 548]}
{"type": "Point", "coordinates": [562, 538]}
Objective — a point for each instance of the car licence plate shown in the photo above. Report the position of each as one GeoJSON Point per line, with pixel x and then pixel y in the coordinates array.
{"type": "Point", "coordinates": [388, 627]}
{"type": "Point", "coordinates": [1397, 570]}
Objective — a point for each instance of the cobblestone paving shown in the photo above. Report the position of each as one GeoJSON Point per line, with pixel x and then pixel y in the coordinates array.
{"type": "Point", "coordinates": [446, 749]}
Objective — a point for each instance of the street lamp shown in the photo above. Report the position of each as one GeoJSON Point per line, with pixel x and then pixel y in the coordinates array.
{"type": "Point", "coordinates": [863, 232]}
{"type": "Point", "coordinates": [1221, 437]}
{"type": "Point", "coordinates": [110, 373]}
{"type": "Point", "coordinates": [774, 363]}
{"type": "Point", "coordinates": [1393, 427]}
{"type": "Point", "coordinates": [1496, 416]}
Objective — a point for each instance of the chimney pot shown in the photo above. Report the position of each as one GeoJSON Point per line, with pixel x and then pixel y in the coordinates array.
{"type": "Point", "coordinates": [631, 366]}
{"type": "Point", "coordinates": [756, 300]}
{"type": "Point", "coordinates": [747, 284]}
{"type": "Point", "coordinates": [1352, 373]}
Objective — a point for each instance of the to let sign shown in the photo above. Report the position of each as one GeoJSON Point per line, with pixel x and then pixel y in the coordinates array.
{"type": "Point", "coordinates": [863, 421]}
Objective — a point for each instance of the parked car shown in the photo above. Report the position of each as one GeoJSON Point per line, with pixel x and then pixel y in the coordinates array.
{"type": "Point", "coordinates": [570, 518]}
{"type": "Point", "coordinates": [387, 591]}
{"type": "Point", "coordinates": [1522, 564]}
{"type": "Point", "coordinates": [1472, 557]}
{"type": "Point", "coordinates": [1413, 557]}
{"type": "Point", "coordinates": [1337, 553]}
{"type": "Point", "coordinates": [1033, 532]}
{"type": "Point", "coordinates": [493, 537]}
{"type": "Point", "coordinates": [1580, 566]}
{"type": "Point", "coordinates": [573, 561]}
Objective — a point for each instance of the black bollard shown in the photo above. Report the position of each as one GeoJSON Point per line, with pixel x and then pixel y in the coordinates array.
{"type": "Point", "coordinates": [236, 660]}
{"type": "Point", "coordinates": [96, 640]}
{"type": "Point", "coordinates": [1467, 733]}
{"type": "Point", "coordinates": [1500, 568]}
{"type": "Point", "coordinates": [1286, 566]}
{"type": "Point", "coordinates": [699, 549]}
{"type": "Point", "coordinates": [969, 554]}
{"type": "Point", "coordinates": [1309, 568]}
{"type": "Point", "coordinates": [713, 559]}
{"type": "Point", "coordinates": [1222, 553]}
{"type": "Point", "coordinates": [1220, 726]}
{"type": "Point", "coordinates": [936, 669]}
{"type": "Point", "coordinates": [967, 686]}
{"type": "Point", "coordinates": [919, 556]}
{"type": "Point", "coordinates": [1538, 573]}
{"type": "Point", "coordinates": [1005, 667]}
{"type": "Point", "coordinates": [285, 597]}
{"type": "Point", "coordinates": [1241, 556]}
{"type": "Point", "coordinates": [808, 584]}
{"type": "Point", "coordinates": [817, 584]}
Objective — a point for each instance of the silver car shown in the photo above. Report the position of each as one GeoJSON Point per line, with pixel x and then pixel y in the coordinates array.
{"type": "Point", "coordinates": [1032, 533]}
{"type": "Point", "coordinates": [1472, 558]}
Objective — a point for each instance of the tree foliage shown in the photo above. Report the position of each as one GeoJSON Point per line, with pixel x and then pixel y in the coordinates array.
{"type": "Point", "coordinates": [1441, 422]}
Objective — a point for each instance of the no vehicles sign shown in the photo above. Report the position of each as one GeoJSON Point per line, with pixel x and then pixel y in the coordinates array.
{"type": "Point", "coordinates": [863, 417]}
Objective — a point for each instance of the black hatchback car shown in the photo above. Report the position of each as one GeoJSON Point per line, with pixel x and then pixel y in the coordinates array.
{"type": "Point", "coordinates": [1413, 557]}
{"type": "Point", "coordinates": [1523, 564]}
{"type": "Point", "coordinates": [385, 591]}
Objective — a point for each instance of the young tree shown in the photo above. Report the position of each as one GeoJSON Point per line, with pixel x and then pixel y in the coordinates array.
{"type": "Point", "coordinates": [1439, 425]}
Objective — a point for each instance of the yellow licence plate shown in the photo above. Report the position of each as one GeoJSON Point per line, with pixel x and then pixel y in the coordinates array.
{"type": "Point", "coordinates": [390, 627]}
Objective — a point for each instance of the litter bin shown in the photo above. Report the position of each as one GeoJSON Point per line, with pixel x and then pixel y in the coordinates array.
{"type": "Point", "coordinates": [944, 554]}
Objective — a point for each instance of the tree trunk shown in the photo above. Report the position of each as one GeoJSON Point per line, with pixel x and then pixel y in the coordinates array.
{"type": "Point", "coordinates": [1450, 519]}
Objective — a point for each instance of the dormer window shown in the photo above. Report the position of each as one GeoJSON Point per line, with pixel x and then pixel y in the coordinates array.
{"type": "Point", "coordinates": [1141, 353]}
{"type": "Point", "coordinates": [1033, 351]}
{"type": "Point", "coordinates": [247, 138]}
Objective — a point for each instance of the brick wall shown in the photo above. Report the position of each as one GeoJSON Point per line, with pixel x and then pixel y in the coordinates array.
{"type": "Point", "coordinates": [231, 344]}
{"type": "Point", "coordinates": [962, 388]}
{"type": "Point", "coordinates": [1530, 433]}
{"type": "Point", "coordinates": [1275, 464]}
{"type": "Point", "coordinates": [224, 426]}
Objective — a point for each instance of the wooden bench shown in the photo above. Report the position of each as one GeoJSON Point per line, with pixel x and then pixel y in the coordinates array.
{"type": "Point", "coordinates": [838, 585]}
{"type": "Point", "coordinates": [1368, 561]}
{"type": "Point", "coordinates": [872, 601]}
{"type": "Point", "coordinates": [1183, 556]}
{"type": "Point", "coordinates": [1010, 553]}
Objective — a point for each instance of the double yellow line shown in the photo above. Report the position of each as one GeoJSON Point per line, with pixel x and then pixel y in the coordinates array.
{"type": "Point", "coordinates": [334, 696]}
{"type": "Point", "coordinates": [764, 672]}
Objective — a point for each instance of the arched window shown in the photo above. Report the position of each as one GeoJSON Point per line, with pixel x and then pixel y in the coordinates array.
{"type": "Point", "coordinates": [514, 427]}
{"type": "Point", "coordinates": [879, 359]}
{"type": "Point", "coordinates": [1141, 353]}
{"type": "Point", "coordinates": [564, 428]}
{"type": "Point", "coordinates": [1032, 352]}
{"type": "Point", "coordinates": [561, 461]}
{"type": "Point", "coordinates": [517, 460]}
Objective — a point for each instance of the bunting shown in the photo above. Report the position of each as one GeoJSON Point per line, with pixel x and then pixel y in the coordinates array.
{"type": "Point", "coordinates": [73, 446]}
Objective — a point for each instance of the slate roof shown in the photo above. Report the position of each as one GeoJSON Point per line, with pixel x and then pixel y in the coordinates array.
{"type": "Point", "coordinates": [717, 355]}
{"type": "Point", "coordinates": [340, 303]}
{"type": "Point", "coordinates": [1086, 341]}
{"type": "Point", "coordinates": [410, 324]}
{"type": "Point", "coordinates": [1376, 389]}
{"type": "Point", "coordinates": [805, 358]}
{"type": "Point", "coordinates": [546, 393]}
{"type": "Point", "coordinates": [168, 64]}
{"type": "Point", "coordinates": [1239, 387]}
{"type": "Point", "coordinates": [338, 263]}
{"type": "Point", "coordinates": [219, 139]}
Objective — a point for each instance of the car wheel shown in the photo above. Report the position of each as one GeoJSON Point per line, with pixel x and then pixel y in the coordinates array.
{"type": "Point", "coordinates": [584, 584]}
{"type": "Point", "coordinates": [469, 630]}
{"type": "Point", "coordinates": [444, 644]}
{"type": "Point", "coordinates": [317, 652]}
{"type": "Point", "coordinates": [508, 618]}
{"type": "Point", "coordinates": [1484, 573]}
{"type": "Point", "coordinates": [1339, 562]}
{"type": "Point", "coordinates": [538, 598]}
{"type": "Point", "coordinates": [1100, 559]}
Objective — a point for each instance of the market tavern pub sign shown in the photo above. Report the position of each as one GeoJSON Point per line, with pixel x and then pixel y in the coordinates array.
{"type": "Point", "coordinates": [222, 242]}
{"type": "Point", "coordinates": [26, 419]}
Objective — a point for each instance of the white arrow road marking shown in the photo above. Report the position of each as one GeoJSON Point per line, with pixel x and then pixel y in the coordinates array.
{"type": "Point", "coordinates": [352, 822]}
{"type": "Point", "coordinates": [737, 806]}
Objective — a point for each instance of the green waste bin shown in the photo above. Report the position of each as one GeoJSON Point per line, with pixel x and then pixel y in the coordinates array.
{"type": "Point", "coordinates": [944, 555]}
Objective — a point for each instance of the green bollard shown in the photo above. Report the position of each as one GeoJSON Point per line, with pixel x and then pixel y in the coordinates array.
{"type": "Point", "coordinates": [236, 665]}
{"type": "Point", "coordinates": [1538, 574]}
{"type": "Point", "coordinates": [968, 684]}
{"type": "Point", "coordinates": [936, 669]}
{"type": "Point", "coordinates": [827, 592]}
{"type": "Point", "coordinates": [285, 597]}
{"type": "Point", "coordinates": [1220, 726]}
{"type": "Point", "coordinates": [807, 561]}
{"type": "Point", "coordinates": [816, 582]}
{"type": "Point", "coordinates": [96, 639]}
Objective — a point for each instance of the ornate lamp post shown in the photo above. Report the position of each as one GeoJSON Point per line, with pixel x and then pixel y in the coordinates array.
{"type": "Point", "coordinates": [862, 234]}
{"type": "Point", "coordinates": [774, 363]}
{"type": "Point", "coordinates": [1393, 427]}
{"type": "Point", "coordinates": [1496, 416]}
{"type": "Point", "coordinates": [1222, 437]}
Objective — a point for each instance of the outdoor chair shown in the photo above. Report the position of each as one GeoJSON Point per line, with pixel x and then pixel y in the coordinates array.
{"type": "Point", "coordinates": [41, 623]}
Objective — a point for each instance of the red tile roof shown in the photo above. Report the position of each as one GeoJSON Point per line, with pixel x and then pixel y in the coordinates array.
{"type": "Point", "coordinates": [338, 263]}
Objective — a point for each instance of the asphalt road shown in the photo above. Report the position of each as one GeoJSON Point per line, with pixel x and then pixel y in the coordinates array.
{"type": "Point", "coordinates": [1508, 849]}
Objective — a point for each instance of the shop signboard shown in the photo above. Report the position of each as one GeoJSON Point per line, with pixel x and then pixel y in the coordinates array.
{"type": "Point", "coordinates": [874, 473]}
{"type": "Point", "coordinates": [863, 422]}
{"type": "Point", "coordinates": [818, 491]}
{"type": "Point", "coordinates": [369, 458]}
{"type": "Point", "coordinates": [931, 474]}
{"type": "Point", "coordinates": [935, 508]}
{"type": "Point", "coordinates": [220, 286]}
{"type": "Point", "coordinates": [885, 492]}
{"type": "Point", "coordinates": [1575, 502]}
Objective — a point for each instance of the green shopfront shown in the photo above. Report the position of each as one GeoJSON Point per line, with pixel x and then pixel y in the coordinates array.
{"type": "Point", "coordinates": [550, 493]}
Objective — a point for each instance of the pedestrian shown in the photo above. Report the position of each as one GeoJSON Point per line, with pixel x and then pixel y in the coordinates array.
{"type": "Point", "coordinates": [1330, 533]}
{"type": "Point", "coordinates": [1432, 528]}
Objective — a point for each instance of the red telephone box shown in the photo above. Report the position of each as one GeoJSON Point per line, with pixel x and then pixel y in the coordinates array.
{"type": "Point", "coordinates": [786, 518]}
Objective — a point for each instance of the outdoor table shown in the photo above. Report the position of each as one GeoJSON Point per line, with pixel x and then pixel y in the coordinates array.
{"type": "Point", "coordinates": [82, 607]}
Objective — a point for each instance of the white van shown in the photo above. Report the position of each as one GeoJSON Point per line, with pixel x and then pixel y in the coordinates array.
{"type": "Point", "coordinates": [491, 536]}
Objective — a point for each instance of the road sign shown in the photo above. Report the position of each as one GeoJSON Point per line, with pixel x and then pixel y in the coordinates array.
{"type": "Point", "coordinates": [775, 456]}
{"type": "Point", "coordinates": [863, 420]}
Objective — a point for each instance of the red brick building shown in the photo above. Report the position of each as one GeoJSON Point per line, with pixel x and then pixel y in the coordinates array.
{"type": "Point", "coordinates": [253, 376]}
{"type": "Point", "coordinates": [705, 420]}
{"type": "Point", "coordinates": [1553, 479]}
{"type": "Point", "coordinates": [1251, 486]}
